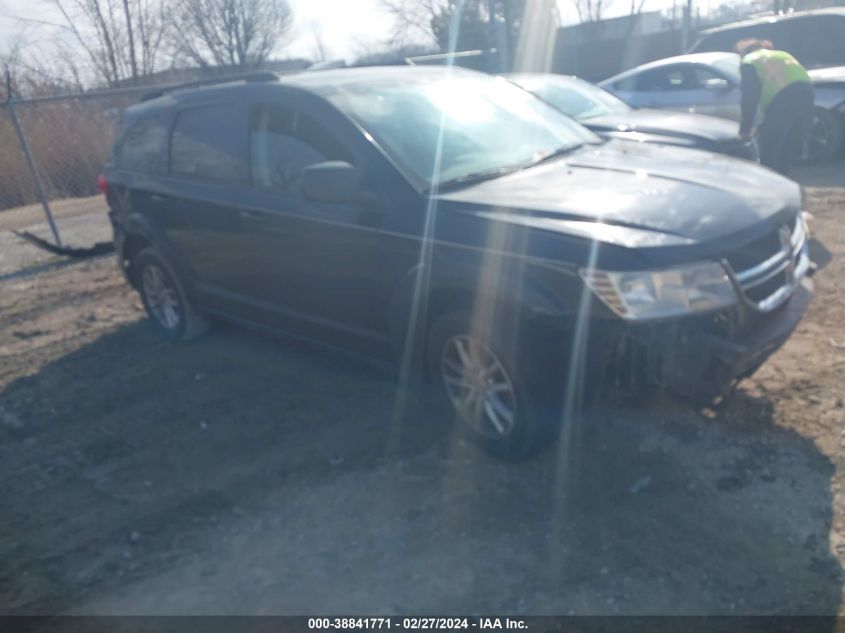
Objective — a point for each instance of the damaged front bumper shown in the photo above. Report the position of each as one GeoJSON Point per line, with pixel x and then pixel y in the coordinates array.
{"type": "Point", "coordinates": [706, 364]}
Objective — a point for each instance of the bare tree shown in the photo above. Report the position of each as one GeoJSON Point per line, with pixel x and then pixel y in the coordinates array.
{"type": "Point", "coordinates": [120, 38]}
{"type": "Point", "coordinates": [633, 21]}
{"type": "Point", "coordinates": [431, 21]}
{"type": "Point", "coordinates": [413, 20]}
{"type": "Point", "coordinates": [320, 53]}
{"type": "Point", "coordinates": [42, 70]}
{"type": "Point", "coordinates": [148, 17]}
{"type": "Point", "coordinates": [637, 7]}
{"type": "Point", "coordinates": [239, 33]}
{"type": "Point", "coordinates": [589, 10]}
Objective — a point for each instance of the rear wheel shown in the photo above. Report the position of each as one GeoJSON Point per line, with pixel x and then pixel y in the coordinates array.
{"type": "Point", "coordinates": [168, 306]}
{"type": "Point", "coordinates": [825, 138]}
{"type": "Point", "coordinates": [487, 390]}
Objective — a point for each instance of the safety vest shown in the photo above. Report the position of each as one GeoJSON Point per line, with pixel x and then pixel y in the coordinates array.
{"type": "Point", "coordinates": [776, 70]}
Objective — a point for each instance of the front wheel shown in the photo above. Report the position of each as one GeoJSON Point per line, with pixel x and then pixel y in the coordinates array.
{"type": "Point", "coordinates": [485, 386]}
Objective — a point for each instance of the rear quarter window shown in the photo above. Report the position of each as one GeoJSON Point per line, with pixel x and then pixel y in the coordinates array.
{"type": "Point", "coordinates": [143, 146]}
{"type": "Point", "coordinates": [628, 84]}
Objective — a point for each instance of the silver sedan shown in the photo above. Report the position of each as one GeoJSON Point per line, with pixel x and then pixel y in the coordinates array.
{"type": "Point", "coordinates": [708, 83]}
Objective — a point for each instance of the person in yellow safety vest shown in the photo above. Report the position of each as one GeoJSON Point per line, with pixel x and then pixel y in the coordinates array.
{"type": "Point", "coordinates": [777, 87]}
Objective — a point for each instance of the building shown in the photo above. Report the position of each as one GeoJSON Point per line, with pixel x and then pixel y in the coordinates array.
{"type": "Point", "coordinates": [621, 27]}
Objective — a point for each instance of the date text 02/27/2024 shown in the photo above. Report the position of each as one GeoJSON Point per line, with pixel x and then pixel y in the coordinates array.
{"type": "Point", "coordinates": [417, 624]}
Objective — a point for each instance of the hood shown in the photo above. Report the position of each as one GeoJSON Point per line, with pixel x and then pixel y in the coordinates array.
{"type": "Point", "coordinates": [692, 127]}
{"type": "Point", "coordinates": [660, 194]}
{"type": "Point", "coordinates": [825, 75]}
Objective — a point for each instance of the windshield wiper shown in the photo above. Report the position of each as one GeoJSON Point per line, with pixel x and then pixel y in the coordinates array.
{"type": "Point", "coordinates": [496, 172]}
{"type": "Point", "coordinates": [479, 176]}
{"type": "Point", "coordinates": [560, 151]}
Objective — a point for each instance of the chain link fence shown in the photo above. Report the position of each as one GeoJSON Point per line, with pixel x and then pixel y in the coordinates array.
{"type": "Point", "coordinates": [51, 151]}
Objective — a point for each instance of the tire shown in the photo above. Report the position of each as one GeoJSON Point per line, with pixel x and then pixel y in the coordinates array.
{"type": "Point", "coordinates": [509, 437]}
{"type": "Point", "coordinates": [168, 306]}
{"type": "Point", "coordinates": [825, 138]}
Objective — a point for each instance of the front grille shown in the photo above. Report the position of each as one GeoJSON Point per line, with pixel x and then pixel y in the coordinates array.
{"type": "Point", "coordinates": [767, 288]}
{"type": "Point", "coordinates": [768, 269]}
{"type": "Point", "coordinates": [755, 252]}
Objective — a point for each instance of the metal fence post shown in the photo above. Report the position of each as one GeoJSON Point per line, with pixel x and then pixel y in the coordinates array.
{"type": "Point", "coordinates": [10, 106]}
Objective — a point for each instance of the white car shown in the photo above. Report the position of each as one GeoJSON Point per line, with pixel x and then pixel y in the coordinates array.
{"type": "Point", "coordinates": [708, 83]}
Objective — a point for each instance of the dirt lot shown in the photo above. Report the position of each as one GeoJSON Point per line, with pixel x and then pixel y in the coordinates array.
{"type": "Point", "coordinates": [242, 474]}
{"type": "Point", "coordinates": [82, 222]}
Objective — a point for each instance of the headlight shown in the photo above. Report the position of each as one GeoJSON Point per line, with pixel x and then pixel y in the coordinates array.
{"type": "Point", "coordinates": [804, 218]}
{"type": "Point", "coordinates": [655, 294]}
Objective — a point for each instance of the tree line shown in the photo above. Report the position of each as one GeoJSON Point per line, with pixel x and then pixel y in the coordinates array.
{"type": "Point", "coordinates": [112, 43]}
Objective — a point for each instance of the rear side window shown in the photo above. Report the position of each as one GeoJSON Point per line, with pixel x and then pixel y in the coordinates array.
{"type": "Point", "coordinates": [284, 141]}
{"type": "Point", "coordinates": [143, 147]}
{"type": "Point", "coordinates": [208, 143]}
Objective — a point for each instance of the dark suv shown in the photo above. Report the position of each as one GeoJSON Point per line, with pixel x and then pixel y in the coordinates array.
{"type": "Point", "coordinates": [816, 38]}
{"type": "Point", "coordinates": [459, 225]}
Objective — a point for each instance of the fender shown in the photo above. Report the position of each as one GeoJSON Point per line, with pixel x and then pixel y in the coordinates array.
{"type": "Point", "coordinates": [141, 225]}
{"type": "Point", "coordinates": [458, 277]}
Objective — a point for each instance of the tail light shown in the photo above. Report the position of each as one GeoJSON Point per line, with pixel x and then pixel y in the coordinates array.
{"type": "Point", "coordinates": [103, 184]}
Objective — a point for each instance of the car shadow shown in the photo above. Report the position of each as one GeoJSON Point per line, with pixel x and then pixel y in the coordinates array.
{"type": "Point", "coordinates": [243, 474]}
{"type": "Point", "coordinates": [827, 175]}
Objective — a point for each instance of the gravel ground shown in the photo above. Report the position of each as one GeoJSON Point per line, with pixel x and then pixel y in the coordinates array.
{"type": "Point", "coordinates": [244, 474]}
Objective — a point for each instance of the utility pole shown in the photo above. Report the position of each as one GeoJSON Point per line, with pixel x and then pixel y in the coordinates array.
{"type": "Point", "coordinates": [686, 30]}
{"type": "Point", "coordinates": [132, 61]}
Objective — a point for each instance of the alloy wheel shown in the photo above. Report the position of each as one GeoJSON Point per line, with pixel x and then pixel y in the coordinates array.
{"type": "Point", "coordinates": [478, 386]}
{"type": "Point", "coordinates": [161, 296]}
{"type": "Point", "coordinates": [817, 140]}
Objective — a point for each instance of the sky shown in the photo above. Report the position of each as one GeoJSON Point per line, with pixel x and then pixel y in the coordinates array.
{"type": "Point", "coordinates": [347, 27]}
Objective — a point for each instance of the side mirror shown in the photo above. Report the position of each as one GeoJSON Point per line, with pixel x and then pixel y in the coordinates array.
{"type": "Point", "coordinates": [332, 181]}
{"type": "Point", "coordinates": [717, 84]}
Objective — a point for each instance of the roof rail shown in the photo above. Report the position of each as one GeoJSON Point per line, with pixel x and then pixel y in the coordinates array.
{"type": "Point", "coordinates": [330, 64]}
{"type": "Point", "coordinates": [422, 59]}
{"type": "Point", "coordinates": [255, 76]}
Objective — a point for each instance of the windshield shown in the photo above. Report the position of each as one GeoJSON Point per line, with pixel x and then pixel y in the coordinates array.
{"type": "Point", "coordinates": [488, 124]}
{"type": "Point", "coordinates": [577, 98]}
